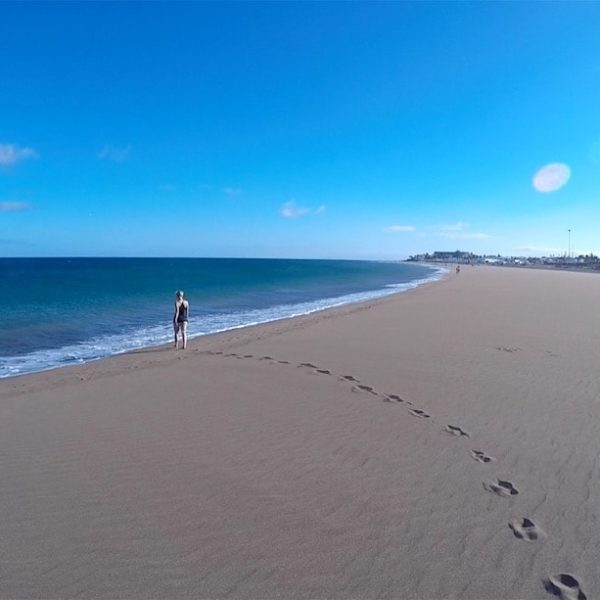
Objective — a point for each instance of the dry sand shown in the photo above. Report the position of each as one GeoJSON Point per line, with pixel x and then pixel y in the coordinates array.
{"type": "Point", "coordinates": [326, 470]}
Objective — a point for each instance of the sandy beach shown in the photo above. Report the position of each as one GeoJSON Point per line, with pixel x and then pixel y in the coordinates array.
{"type": "Point", "coordinates": [439, 443]}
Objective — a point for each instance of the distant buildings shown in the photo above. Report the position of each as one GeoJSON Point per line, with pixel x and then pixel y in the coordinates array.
{"type": "Point", "coordinates": [584, 262]}
{"type": "Point", "coordinates": [458, 256]}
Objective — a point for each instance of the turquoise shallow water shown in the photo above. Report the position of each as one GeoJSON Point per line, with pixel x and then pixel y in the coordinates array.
{"type": "Point", "coordinates": [59, 311]}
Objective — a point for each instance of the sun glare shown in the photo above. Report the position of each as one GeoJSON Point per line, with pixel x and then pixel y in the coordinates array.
{"type": "Point", "coordinates": [551, 177]}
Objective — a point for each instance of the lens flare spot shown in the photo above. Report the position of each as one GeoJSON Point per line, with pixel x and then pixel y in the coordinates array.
{"type": "Point", "coordinates": [551, 177]}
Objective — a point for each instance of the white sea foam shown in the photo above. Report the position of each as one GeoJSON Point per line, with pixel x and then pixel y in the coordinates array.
{"type": "Point", "coordinates": [110, 345]}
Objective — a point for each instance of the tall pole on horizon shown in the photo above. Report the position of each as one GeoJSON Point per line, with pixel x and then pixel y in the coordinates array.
{"type": "Point", "coordinates": [569, 243]}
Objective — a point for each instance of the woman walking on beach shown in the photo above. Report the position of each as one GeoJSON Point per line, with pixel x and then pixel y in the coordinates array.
{"type": "Point", "coordinates": [180, 318]}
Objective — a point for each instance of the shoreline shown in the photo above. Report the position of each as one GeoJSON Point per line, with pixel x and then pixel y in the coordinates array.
{"type": "Point", "coordinates": [334, 303]}
{"type": "Point", "coordinates": [122, 361]}
{"type": "Point", "coordinates": [441, 443]}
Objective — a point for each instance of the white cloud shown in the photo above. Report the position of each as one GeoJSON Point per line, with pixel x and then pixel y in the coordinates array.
{"type": "Point", "coordinates": [290, 210]}
{"type": "Point", "coordinates": [455, 227]}
{"type": "Point", "coordinates": [399, 229]}
{"type": "Point", "coordinates": [551, 177]}
{"type": "Point", "coordinates": [477, 236]}
{"type": "Point", "coordinates": [11, 154]}
{"type": "Point", "coordinates": [14, 206]}
{"type": "Point", "coordinates": [458, 231]}
{"type": "Point", "coordinates": [232, 191]}
{"type": "Point", "coordinates": [116, 154]}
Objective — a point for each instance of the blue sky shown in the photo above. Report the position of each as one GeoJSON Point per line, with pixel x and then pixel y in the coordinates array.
{"type": "Point", "coordinates": [334, 130]}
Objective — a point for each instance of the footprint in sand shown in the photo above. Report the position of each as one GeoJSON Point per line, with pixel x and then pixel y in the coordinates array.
{"type": "Point", "coordinates": [457, 431]}
{"type": "Point", "coordinates": [526, 529]}
{"type": "Point", "coordinates": [309, 365]}
{"type": "Point", "coordinates": [502, 488]}
{"type": "Point", "coordinates": [417, 412]}
{"type": "Point", "coordinates": [364, 388]}
{"type": "Point", "coordinates": [283, 362]}
{"type": "Point", "coordinates": [565, 586]}
{"type": "Point", "coordinates": [480, 456]}
{"type": "Point", "coordinates": [393, 398]}
{"type": "Point", "coordinates": [324, 371]}
{"type": "Point", "coordinates": [504, 349]}
{"type": "Point", "coordinates": [248, 356]}
{"type": "Point", "coordinates": [266, 358]}
{"type": "Point", "coordinates": [349, 378]}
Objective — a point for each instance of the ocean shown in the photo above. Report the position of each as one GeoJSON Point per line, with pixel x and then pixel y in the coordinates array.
{"type": "Point", "coordinates": [64, 311]}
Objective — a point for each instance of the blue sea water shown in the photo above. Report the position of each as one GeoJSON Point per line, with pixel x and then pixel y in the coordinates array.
{"type": "Point", "coordinates": [61, 311]}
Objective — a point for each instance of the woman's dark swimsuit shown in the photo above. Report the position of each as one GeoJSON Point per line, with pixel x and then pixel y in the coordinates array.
{"type": "Point", "coordinates": [182, 314]}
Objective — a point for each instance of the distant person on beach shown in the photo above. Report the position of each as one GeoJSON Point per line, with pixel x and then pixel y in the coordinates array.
{"type": "Point", "coordinates": [457, 269]}
{"type": "Point", "coordinates": [180, 318]}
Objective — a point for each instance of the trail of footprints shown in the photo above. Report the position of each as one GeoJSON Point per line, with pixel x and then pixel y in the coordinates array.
{"type": "Point", "coordinates": [563, 585]}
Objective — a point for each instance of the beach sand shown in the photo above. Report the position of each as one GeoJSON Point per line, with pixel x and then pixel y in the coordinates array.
{"type": "Point", "coordinates": [440, 443]}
